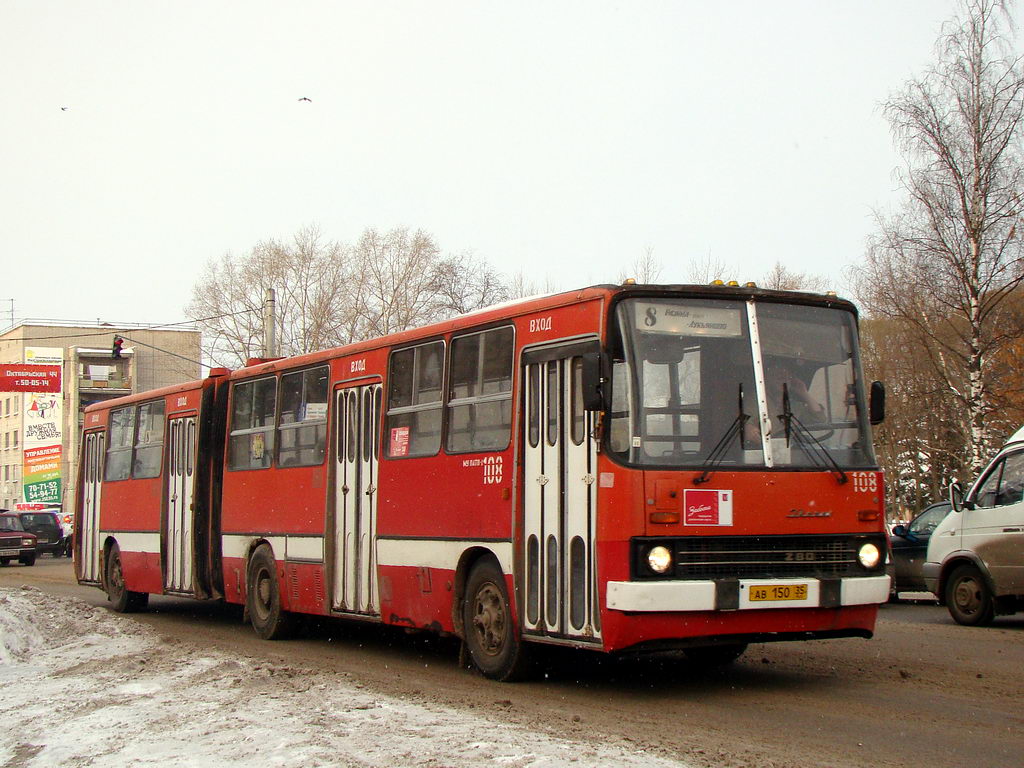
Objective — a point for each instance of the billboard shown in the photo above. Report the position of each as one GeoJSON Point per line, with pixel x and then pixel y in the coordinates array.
{"type": "Point", "coordinates": [23, 377]}
{"type": "Point", "coordinates": [43, 422]}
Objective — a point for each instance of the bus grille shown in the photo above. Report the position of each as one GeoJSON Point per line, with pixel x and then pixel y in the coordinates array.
{"type": "Point", "coordinates": [744, 557]}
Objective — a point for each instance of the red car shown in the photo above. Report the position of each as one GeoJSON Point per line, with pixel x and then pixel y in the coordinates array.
{"type": "Point", "coordinates": [15, 541]}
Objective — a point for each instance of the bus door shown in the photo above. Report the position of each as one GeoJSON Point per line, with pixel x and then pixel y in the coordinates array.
{"type": "Point", "coordinates": [179, 486]}
{"type": "Point", "coordinates": [92, 487]}
{"type": "Point", "coordinates": [357, 430]}
{"type": "Point", "coordinates": [559, 586]}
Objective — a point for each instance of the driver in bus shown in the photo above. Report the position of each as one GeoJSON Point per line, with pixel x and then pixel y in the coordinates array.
{"type": "Point", "coordinates": [780, 378]}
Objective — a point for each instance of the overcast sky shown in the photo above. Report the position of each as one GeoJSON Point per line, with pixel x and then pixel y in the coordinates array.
{"type": "Point", "coordinates": [563, 139]}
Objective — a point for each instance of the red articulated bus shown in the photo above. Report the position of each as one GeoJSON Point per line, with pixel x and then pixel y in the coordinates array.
{"type": "Point", "coordinates": [621, 468]}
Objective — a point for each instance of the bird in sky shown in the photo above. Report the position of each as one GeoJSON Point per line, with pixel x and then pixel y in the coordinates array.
{"type": "Point", "coordinates": [304, 98]}
{"type": "Point", "coordinates": [63, 109]}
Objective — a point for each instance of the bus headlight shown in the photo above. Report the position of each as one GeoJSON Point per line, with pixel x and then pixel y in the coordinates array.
{"type": "Point", "coordinates": [869, 555]}
{"type": "Point", "coordinates": [659, 559]}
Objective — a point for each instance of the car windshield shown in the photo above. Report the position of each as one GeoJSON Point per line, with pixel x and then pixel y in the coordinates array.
{"type": "Point", "coordinates": [929, 520]}
{"type": "Point", "coordinates": [743, 383]}
{"type": "Point", "coordinates": [10, 523]}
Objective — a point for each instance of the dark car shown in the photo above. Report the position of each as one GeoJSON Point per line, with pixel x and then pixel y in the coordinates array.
{"type": "Point", "coordinates": [15, 541]}
{"type": "Point", "coordinates": [49, 532]}
{"type": "Point", "coordinates": [910, 545]}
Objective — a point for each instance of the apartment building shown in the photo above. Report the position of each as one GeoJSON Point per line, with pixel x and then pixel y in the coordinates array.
{"type": "Point", "coordinates": [39, 432]}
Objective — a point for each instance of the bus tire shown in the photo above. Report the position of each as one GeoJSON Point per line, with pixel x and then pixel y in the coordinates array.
{"type": "Point", "coordinates": [122, 599]}
{"type": "Point", "coordinates": [263, 597]}
{"type": "Point", "coordinates": [490, 637]}
{"type": "Point", "coordinates": [968, 597]}
{"type": "Point", "coordinates": [715, 655]}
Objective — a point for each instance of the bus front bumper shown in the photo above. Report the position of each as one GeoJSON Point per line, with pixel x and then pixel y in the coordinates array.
{"type": "Point", "coordinates": [746, 594]}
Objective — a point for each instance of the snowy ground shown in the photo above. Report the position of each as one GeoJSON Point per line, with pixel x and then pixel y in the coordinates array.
{"type": "Point", "coordinates": [80, 686]}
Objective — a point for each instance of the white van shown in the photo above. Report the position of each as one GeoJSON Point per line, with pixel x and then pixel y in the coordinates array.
{"type": "Point", "coordinates": [975, 559]}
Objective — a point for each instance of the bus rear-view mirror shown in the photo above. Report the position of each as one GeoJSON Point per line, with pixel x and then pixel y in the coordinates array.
{"type": "Point", "coordinates": [876, 406]}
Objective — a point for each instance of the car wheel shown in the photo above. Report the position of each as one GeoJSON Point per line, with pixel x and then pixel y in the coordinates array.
{"type": "Point", "coordinates": [715, 655]}
{"type": "Point", "coordinates": [968, 597]}
{"type": "Point", "coordinates": [122, 599]}
{"type": "Point", "coordinates": [491, 639]}
{"type": "Point", "coordinates": [263, 599]}
{"type": "Point", "coordinates": [4, 560]}
{"type": "Point", "coordinates": [27, 560]}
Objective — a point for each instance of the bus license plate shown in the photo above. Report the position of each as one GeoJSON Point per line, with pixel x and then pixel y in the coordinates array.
{"type": "Point", "coordinates": [767, 592]}
{"type": "Point", "coordinates": [6, 552]}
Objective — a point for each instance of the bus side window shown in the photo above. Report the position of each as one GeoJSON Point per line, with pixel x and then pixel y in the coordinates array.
{"type": "Point", "coordinates": [302, 433]}
{"type": "Point", "coordinates": [149, 446]}
{"type": "Point", "coordinates": [480, 391]}
{"type": "Point", "coordinates": [414, 401]}
{"type": "Point", "coordinates": [251, 445]}
{"type": "Point", "coordinates": [119, 445]}
{"type": "Point", "coordinates": [621, 432]}
{"type": "Point", "coordinates": [579, 431]}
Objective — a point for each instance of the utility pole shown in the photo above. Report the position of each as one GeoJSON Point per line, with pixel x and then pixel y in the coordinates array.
{"type": "Point", "coordinates": [270, 324]}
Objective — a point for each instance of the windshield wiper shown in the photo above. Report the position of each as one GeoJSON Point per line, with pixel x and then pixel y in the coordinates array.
{"type": "Point", "coordinates": [811, 446]}
{"type": "Point", "coordinates": [718, 453]}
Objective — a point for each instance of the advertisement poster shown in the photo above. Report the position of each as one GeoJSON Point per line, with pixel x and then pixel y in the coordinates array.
{"type": "Point", "coordinates": [707, 507]}
{"type": "Point", "coordinates": [43, 420]}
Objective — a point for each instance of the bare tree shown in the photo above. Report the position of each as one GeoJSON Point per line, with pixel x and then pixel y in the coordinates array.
{"type": "Point", "coordinates": [645, 268]}
{"type": "Point", "coordinates": [520, 286]}
{"type": "Point", "coordinates": [312, 280]}
{"type": "Point", "coordinates": [703, 270]}
{"type": "Point", "coordinates": [464, 284]}
{"type": "Point", "coordinates": [399, 280]}
{"type": "Point", "coordinates": [780, 278]}
{"type": "Point", "coordinates": [329, 294]}
{"type": "Point", "coordinates": [945, 263]}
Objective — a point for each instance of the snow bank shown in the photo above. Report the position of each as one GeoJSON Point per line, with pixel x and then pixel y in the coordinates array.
{"type": "Point", "coordinates": [80, 686]}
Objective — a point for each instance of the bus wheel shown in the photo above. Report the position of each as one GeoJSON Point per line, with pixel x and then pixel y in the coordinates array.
{"type": "Point", "coordinates": [715, 655]}
{"type": "Point", "coordinates": [122, 600]}
{"type": "Point", "coordinates": [491, 638]}
{"type": "Point", "coordinates": [262, 598]}
{"type": "Point", "coordinates": [968, 597]}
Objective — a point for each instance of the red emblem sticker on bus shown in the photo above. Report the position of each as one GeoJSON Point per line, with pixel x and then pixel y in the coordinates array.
{"type": "Point", "coordinates": [400, 441]}
{"type": "Point", "coordinates": [706, 507]}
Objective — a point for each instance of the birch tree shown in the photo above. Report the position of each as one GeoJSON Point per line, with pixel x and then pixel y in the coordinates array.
{"type": "Point", "coordinates": [948, 259]}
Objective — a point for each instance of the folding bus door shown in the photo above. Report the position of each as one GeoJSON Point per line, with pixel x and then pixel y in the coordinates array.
{"type": "Point", "coordinates": [357, 431]}
{"type": "Point", "coordinates": [88, 537]}
{"type": "Point", "coordinates": [178, 540]}
{"type": "Point", "coordinates": [559, 510]}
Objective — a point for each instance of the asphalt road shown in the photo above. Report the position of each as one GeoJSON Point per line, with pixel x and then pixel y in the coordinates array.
{"type": "Point", "coordinates": [923, 692]}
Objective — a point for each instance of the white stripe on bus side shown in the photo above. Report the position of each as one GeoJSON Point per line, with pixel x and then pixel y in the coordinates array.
{"type": "Point", "coordinates": [433, 553]}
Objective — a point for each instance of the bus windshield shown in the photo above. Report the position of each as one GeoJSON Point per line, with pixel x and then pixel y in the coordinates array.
{"type": "Point", "coordinates": [733, 383]}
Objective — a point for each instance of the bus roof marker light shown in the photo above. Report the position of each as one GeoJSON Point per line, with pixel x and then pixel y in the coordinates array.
{"type": "Point", "coordinates": [629, 281]}
{"type": "Point", "coordinates": [733, 284]}
{"type": "Point", "coordinates": [716, 282]}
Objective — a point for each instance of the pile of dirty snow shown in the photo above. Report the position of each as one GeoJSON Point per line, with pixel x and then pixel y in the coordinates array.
{"type": "Point", "coordinates": [80, 686]}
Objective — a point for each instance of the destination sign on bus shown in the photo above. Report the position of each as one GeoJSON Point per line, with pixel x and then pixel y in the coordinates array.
{"type": "Point", "coordinates": [686, 320]}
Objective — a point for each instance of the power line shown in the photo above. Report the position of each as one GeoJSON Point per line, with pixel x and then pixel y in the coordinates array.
{"type": "Point", "coordinates": [149, 328]}
{"type": "Point", "coordinates": [159, 349]}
